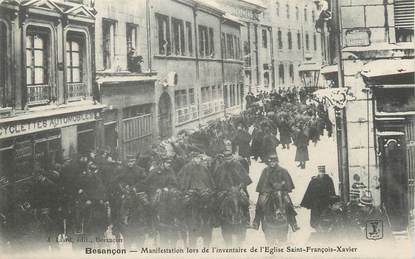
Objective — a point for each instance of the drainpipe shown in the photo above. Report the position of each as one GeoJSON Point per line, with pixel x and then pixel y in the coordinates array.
{"type": "Point", "coordinates": [148, 27]}
{"type": "Point", "coordinates": [222, 61]}
{"type": "Point", "coordinates": [198, 89]}
{"type": "Point", "coordinates": [256, 53]}
{"type": "Point", "coordinates": [248, 26]}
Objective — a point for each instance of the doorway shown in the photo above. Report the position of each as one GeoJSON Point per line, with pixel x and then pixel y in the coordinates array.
{"type": "Point", "coordinates": [394, 180]}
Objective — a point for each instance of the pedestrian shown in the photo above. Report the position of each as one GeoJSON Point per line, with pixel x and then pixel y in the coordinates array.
{"type": "Point", "coordinates": [240, 142]}
{"type": "Point", "coordinates": [269, 143]}
{"type": "Point", "coordinates": [317, 196]}
{"type": "Point", "coordinates": [257, 139]}
{"type": "Point", "coordinates": [301, 142]}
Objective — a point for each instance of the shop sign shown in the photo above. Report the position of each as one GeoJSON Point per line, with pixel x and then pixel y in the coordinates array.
{"type": "Point", "coordinates": [16, 128]}
{"type": "Point", "coordinates": [359, 37]}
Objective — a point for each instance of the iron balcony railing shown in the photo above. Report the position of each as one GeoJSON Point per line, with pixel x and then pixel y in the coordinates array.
{"type": "Point", "coordinates": [38, 94]}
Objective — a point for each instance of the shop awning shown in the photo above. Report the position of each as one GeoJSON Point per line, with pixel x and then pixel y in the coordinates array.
{"type": "Point", "coordinates": [329, 69]}
{"type": "Point", "coordinates": [309, 67]}
{"type": "Point", "coordinates": [394, 71]}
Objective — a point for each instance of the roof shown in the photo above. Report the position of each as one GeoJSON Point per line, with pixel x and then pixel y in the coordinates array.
{"type": "Point", "coordinates": [258, 3]}
{"type": "Point", "coordinates": [233, 18]}
{"type": "Point", "coordinates": [386, 67]}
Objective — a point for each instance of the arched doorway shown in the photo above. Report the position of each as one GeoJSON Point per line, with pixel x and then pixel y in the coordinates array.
{"type": "Point", "coordinates": [165, 118]}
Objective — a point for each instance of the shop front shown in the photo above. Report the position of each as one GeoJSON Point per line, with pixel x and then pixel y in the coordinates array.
{"type": "Point", "coordinates": [393, 89]}
{"type": "Point", "coordinates": [45, 138]}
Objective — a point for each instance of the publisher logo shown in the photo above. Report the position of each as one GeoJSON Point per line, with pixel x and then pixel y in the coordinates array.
{"type": "Point", "coordinates": [374, 229]}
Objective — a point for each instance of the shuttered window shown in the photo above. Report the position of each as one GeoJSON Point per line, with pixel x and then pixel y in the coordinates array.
{"type": "Point", "coordinates": [404, 20]}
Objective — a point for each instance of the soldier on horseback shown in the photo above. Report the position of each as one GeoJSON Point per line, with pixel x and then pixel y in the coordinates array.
{"type": "Point", "coordinates": [197, 184]}
{"type": "Point", "coordinates": [274, 209]}
{"type": "Point", "coordinates": [232, 179]}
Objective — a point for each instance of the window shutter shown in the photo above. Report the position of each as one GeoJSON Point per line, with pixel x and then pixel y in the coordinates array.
{"type": "Point", "coordinates": [404, 14]}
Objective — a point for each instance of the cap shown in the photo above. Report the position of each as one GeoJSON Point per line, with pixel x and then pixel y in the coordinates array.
{"type": "Point", "coordinates": [366, 199]}
{"type": "Point", "coordinates": [321, 168]}
{"type": "Point", "coordinates": [273, 157]}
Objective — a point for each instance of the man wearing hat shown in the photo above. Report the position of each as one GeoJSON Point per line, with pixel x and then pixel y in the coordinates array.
{"type": "Point", "coordinates": [274, 179]}
{"type": "Point", "coordinates": [240, 143]}
{"type": "Point", "coordinates": [318, 194]}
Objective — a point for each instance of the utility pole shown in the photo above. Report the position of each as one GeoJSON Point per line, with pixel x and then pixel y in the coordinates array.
{"type": "Point", "coordinates": [342, 135]}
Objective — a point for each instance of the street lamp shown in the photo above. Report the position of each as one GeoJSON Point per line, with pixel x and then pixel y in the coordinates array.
{"type": "Point", "coordinates": [309, 72]}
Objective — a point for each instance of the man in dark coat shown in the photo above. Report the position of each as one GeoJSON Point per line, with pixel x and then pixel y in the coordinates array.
{"type": "Point", "coordinates": [273, 179]}
{"type": "Point", "coordinates": [269, 144]}
{"type": "Point", "coordinates": [196, 182]}
{"type": "Point", "coordinates": [301, 142]}
{"type": "Point", "coordinates": [318, 194]}
{"type": "Point", "coordinates": [257, 138]}
{"type": "Point", "coordinates": [240, 142]}
{"type": "Point", "coordinates": [231, 173]}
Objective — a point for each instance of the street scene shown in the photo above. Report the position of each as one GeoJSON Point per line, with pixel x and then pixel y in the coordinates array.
{"type": "Point", "coordinates": [176, 126]}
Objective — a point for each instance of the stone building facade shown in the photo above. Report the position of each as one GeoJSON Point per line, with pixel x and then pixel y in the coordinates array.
{"type": "Point", "coordinates": [48, 111]}
{"type": "Point", "coordinates": [378, 59]}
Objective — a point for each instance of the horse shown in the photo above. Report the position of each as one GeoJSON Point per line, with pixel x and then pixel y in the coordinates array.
{"type": "Point", "coordinates": [233, 214]}
{"type": "Point", "coordinates": [199, 217]}
{"type": "Point", "coordinates": [134, 218]}
{"type": "Point", "coordinates": [275, 217]}
{"type": "Point", "coordinates": [168, 216]}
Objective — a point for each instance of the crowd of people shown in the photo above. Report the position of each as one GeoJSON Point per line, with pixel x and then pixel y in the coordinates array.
{"type": "Point", "coordinates": [183, 187]}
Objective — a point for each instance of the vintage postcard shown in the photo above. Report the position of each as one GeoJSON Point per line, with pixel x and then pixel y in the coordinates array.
{"type": "Point", "coordinates": [207, 129]}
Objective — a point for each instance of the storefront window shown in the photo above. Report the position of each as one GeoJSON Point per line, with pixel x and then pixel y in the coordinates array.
{"type": "Point", "coordinates": [395, 100]}
{"type": "Point", "coordinates": [3, 55]}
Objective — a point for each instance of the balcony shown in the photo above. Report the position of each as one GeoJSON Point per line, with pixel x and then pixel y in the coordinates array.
{"type": "Point", "coordinates": [38, 94]}
{"type": "Point", "coordinates": [76, 91]}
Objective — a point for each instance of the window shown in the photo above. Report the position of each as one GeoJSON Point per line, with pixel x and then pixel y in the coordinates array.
{"type": "Point", "coordinates": [225, 96]}
{"type": "Point", "coordinates": [211, 43]}
{"type": "Point", "coordinates": [313, 15]}
{"type": "Point", "coordinates": [280, 39]}
{"type": "Point", "coordinates": [237, 48]}
{"type": "Point", "coordinates": [203, 41]}
{"type": "Point", "coordinates": [297, 13]}
{"type": "Point", "coordinates": [266, 79]}
{"type": "Point", "coordinates": [178, 37]}
{"type": "Point", "coordinates": [3, 66]}
{"type": "Point", "coordinates": [206, 100]}
{"type": "Point", "coordinates": [281, 73]}
{"type": "Point", "coordinates": [277, 8]}
{"type": "Point", "coordinates": [305, 14]}
{"type": "Point", "coordinates": [189, 38]}
{"type": "Point", "coordinates": [132, 52]}
{"type": "Point", "coordinates": [37, 66]}
{"type": "Point", "coordinates": [290, 41]}
{"type": "Point", "coordinates": [298, 40]}
{"type": "Point", "coordinates": [229, 44]}
{"type": "Point", "coordinates": [404, 20]}
{"type": "Point", "coordinates": [192, 102]}
{"type": "Point", "coordinates": [291, 71]}
{"type": "Point", "coordinates": [108, 44]}
{"type": "Point", "coordinates": [223, 43]}
{"type": "Point", "coordinates": [288, 11]}
{"type": "Point", "coordinates": [315, 42]}
{"type": "Point", "coordinates": [163, 33]}
{"type": "Point", "coordinates": [131, 38]}
{"type": "Point", "coordinates": [264, 39]}
{"type": "Point", "coordinates": [182, 111]}
{"type": "Point", "coordinates": [73, 61]}
{"type": "Point", "coordinates": [307, 41]}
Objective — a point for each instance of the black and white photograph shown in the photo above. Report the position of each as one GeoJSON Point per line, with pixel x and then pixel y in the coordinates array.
{"type": "Point", "coordinates": [207, 129]}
